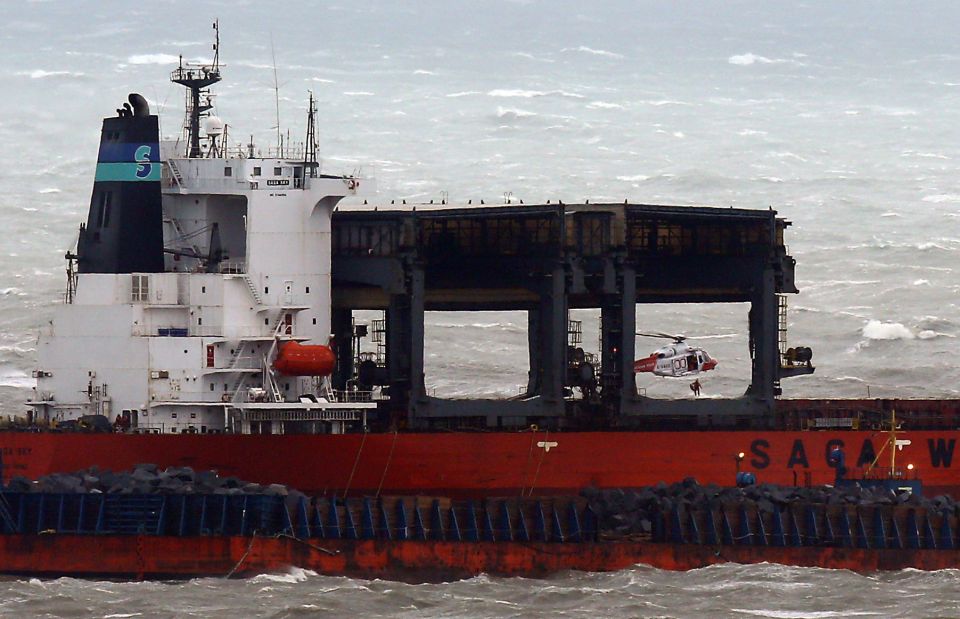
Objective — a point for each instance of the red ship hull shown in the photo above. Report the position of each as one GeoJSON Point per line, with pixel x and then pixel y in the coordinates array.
{"type": "Point", "coordinates": [114, 556]}
{"type": "Point", "coordinates": [488, 463]}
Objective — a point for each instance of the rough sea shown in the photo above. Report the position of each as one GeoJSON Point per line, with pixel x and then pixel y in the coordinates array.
{"type": "Point", "coordinates": [843, 117]}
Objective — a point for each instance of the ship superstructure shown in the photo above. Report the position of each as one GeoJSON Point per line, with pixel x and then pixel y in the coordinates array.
{"type": "Point", "coordinates": [198, 268]}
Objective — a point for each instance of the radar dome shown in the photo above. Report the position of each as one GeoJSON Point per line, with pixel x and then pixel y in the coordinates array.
{"type": "Point", "coordinates": [214, 126]}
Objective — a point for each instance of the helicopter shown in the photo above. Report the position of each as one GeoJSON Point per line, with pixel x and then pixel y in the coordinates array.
{"type": "Point", "coordinates": [676, 359]}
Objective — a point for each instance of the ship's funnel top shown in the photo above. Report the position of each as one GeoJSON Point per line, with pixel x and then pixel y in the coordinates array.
{"type": "Point", "coordinates": [139, 104]}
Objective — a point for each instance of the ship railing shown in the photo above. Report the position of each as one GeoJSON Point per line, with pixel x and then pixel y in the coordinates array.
{"type": "Point", "coordinates": [356, 395]}
{"type": "Point", "coordinates": [232, 333]}
{"type": "Point", "coordinates": [237, 267]}
{"type": "Point", "coordinates": [884, 472]}
{"type": "Point", "coordinates": [303, 415]}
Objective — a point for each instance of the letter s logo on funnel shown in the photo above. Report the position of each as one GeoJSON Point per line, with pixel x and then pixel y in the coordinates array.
{"type": "Point", "coordinates": [142, 157]}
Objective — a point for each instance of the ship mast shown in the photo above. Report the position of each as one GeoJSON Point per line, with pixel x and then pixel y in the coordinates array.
{"type": "Point", "coordinates": [198, 78]}
{"type": "Point", "coordinates": [310, 148]}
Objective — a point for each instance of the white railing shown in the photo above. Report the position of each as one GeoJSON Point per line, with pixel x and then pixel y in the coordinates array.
{"type": "Point", "coordinates": [233, 267]}
{"type": "Point", "coordinates": [201, 331]}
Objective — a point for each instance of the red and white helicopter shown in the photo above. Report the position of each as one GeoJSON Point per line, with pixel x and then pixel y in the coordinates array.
{"type": "Point", "coordinates": [675, 360]}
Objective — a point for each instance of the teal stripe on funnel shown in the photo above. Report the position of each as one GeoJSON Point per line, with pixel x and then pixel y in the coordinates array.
{"type": "Point", "coordinates": [128, 172]}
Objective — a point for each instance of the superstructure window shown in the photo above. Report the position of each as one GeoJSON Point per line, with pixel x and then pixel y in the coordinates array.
{"type": "Point", "coordinates": [277, 171]}
{"type": "Point", "coordinates": [228, 171]}
{"type": "Point", "coordinates": [256, 170]}
{"type": "Point", "coordinates": [140, 288]}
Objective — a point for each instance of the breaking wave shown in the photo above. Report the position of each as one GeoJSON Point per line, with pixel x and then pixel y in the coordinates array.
{"type": "Point", "coordinates": [529, 94]}
{"type": "Point", "coordinates": [294, 575]}
{"type": "Point", "coordinates": [153, 59]}
{"type": "Point", "coordinates": [604, 105]}
{"type": "Point", "coordinates": [39, 74]}
{"type": "Point", "coordinates": [595, 52]}
{"type": "Point", "coordinates": [513, 113]}
{"type": "Point", "coordinates": [745, 60]}
{"type": "Point", "coordinates": [942, 197]}
{"type": "Point", "coordinates": [15, 377]}
{"type": "Point", "coordinates": [877, 330]}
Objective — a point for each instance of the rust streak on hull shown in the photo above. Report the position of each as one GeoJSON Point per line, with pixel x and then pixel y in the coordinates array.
{"type": "Point", "coordinates": [164, 557]}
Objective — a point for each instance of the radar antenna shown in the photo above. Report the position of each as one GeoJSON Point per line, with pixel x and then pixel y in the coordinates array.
{"type": "Point", "coordinates": [198, 78]}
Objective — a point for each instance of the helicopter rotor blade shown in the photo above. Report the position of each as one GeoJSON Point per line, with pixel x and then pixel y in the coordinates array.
{"type": "Point", "coordinates": [658, 334]}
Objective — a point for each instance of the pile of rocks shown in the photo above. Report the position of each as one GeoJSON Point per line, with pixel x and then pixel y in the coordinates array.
{"type": "Point", "coordinates": [628, 512]}
{"type": "Point", "coordinates": [144, 479]}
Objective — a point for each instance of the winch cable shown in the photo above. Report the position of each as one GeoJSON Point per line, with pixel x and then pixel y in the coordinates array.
{"type": "Point", "coordinates": [536, 474]}
{"type": "Point", "coordinates": [355, 463]}
{"type": "Point", "coordinates": [387, 465]}
{"type": "Point", "coordinates": [526, 467]}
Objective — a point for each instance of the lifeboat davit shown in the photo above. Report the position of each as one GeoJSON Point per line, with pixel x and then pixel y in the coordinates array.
{"type": "Point", "coordinates": [296, 359]}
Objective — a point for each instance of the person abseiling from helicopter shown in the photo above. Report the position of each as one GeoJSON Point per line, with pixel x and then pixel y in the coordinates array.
{"type": "Point", "coordinates": [695, 388]}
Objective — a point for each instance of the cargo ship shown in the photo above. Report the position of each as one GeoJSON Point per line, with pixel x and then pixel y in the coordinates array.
{"type": "Point", "coordinates": [209, 321]}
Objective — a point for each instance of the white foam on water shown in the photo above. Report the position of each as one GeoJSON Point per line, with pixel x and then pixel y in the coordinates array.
{"type": "Point", "coordinates": [515, 92]}
{"type": "Point", "coordinates": [636, 178]}
{"type": "Point", "coordinates": [661, 102]}
{"type": "Point", "coordinates": [745, 60]}
{"type": "Point", "coordinates": [877, 330]}
{"type": "Point", "coordinates": [604, 105]}
{"type": "Point", "coordinates": [15, 377]}
{"type": "Point", "coordinates": [153, 59]}
{"type": "Point", "coordinates": [939, 198]}
{"type": "Point", "coordinates": [590, 50]}
{"type": "Point", "coordinates": [800, 614]}
{"type": "Point", "coordinates": [39, 74]}
{"type": "Point", "coordinates": [292, 576]}
{"type": "Point", "coordinates": [513, 113]}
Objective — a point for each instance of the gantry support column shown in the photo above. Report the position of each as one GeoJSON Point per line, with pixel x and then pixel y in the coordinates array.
{"type": "Point", "coordinates": [405, 344]}
{"type": "Point", "coordinates": [764, 343]}
{"type": "Point", "coordinates": [618, 320]}
{"type": "Point", "coordinates": [341, 326]}
{"type": "Point", "coordinates": [547, 337]}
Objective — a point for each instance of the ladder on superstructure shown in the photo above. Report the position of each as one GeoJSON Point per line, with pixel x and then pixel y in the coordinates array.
{"type": "Point", "coordinates": [237, 385]}
{"type": "Point", "coordinates": [781, 333]}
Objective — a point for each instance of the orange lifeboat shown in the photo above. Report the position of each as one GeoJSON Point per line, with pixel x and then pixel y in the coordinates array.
{"type": "Point", "coordinates": [296, 359]}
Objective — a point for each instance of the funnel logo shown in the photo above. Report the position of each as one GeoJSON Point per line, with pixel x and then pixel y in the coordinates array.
{"type": "Point", "coordinates": [142, 157]}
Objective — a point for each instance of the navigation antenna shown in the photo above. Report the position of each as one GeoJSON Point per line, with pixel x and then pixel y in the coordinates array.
{"type": "Point", "coordinates": [198, 78]}
{"type": "Point", "coordinates": [310, 148]}
{"type": "Point", "coordinates": [276, 96]}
